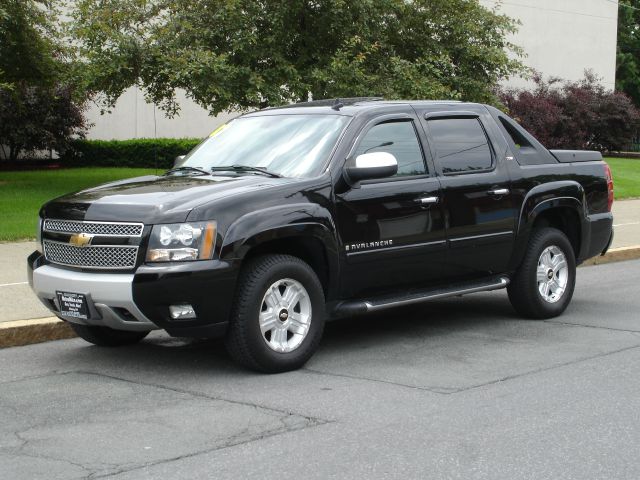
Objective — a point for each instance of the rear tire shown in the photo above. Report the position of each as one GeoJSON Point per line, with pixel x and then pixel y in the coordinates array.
{"type": "Point", "coordinates": [543, 284]}
{"type": "Point", "coordinates": [278, 314]}
{"type": "Point", "coordinates": [105, 336]}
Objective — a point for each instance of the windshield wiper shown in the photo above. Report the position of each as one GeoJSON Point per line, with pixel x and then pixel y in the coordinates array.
{"type": "Point", "coordinates": [187, 169]}
{"type": "Point", "coordinates": [245, 168]}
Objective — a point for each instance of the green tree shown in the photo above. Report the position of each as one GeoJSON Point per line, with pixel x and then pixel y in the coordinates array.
{"type": "Point", "coordinates": [27, 46]}
{"type": "Point", "coordinates": [628, 54]}
{"type": "Point", "coordinates": [39, 106]}
{"type": "Point", "coordinates": [242, 54]}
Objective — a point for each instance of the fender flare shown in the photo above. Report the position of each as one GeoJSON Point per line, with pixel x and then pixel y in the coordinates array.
{"type": "Point", "coordinates": [305, 220]}
{"type": "Point", "coordinates": [544, 197]}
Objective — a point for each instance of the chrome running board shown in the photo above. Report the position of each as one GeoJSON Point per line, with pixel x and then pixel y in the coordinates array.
{"type": "Point", "coordinates": [375, 304]}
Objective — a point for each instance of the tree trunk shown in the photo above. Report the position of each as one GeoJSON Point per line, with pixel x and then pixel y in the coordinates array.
{"type": "Point", "coordinates": [14, 151]}
{"type": "Point", "coordinates": [3, 151]}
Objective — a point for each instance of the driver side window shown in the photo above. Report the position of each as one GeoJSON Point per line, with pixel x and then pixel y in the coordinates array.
{"type": "Point", "coordinates": [398, 138]}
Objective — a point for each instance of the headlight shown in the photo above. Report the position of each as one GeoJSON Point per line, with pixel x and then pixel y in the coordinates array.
{"type": "Point", "coordinates": [179, 242]}
{"type": "Point", "coordinates": [39, 236]}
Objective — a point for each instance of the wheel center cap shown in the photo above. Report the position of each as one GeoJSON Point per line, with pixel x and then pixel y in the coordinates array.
{"type": "Point", "coordinates": [283, 315]}
{"type": "Point", "coordinates": [550, 274]}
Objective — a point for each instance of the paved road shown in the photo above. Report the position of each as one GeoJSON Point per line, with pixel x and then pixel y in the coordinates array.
{"type": "Point", "coordinates": [17, 302]}
{"type": "Point", "coordinates": [458, 389]}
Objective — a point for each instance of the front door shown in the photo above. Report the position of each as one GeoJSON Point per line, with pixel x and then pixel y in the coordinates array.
{"type": "Point", "coordinates": [392, 229]}
{"type": "Point", "coordinates": [476, 195]}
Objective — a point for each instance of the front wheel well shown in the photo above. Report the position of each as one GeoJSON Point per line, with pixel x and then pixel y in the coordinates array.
{"type": "Point", "coordinates": [564, 219]}
{"type": "Point", "coordinates": [308, 249]}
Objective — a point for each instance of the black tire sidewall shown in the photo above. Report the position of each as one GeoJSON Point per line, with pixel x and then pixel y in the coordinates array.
{"type": "Point", "coordinates": [264, 357]}
{"type": "Point", "coordinates": [527, 275]}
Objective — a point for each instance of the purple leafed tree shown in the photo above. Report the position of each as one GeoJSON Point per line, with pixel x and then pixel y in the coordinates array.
{"type": "Point", "coordinates": [575, 115]}
{"type": "Point", "coordinates": [36, 118]}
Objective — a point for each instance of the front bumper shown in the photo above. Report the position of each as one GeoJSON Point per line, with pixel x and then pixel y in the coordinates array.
{"type": "Point", "coordinates": [110, 297]}
{"type": "Point", "coordinates": [140, 301]}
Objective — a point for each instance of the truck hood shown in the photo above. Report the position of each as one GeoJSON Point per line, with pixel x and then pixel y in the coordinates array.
{"type": "Point", "coordinates": [153, 199]}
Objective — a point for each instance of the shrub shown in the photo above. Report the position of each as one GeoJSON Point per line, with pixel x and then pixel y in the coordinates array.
{"type": "Point", "coordinates": [574, 115]}
{"type": "Point", "coordinates": [141, 152]}
{"type": "Point", "coordinates": [35, 118]}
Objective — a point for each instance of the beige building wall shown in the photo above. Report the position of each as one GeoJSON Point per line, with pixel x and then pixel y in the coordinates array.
{"type": "Point", "coordinates": [560, 37]}
{"type": "Point", "coordinates": [133, 117]}
{"type": "Point", "coordinates": [564, 37]}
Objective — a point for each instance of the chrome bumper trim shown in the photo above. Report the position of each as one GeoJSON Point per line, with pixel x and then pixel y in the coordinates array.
{"type": "Point", "coordinates": [107, 291]}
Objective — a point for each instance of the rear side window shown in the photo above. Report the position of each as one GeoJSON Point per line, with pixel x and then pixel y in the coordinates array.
{"type": "Point", "coordinates": [461, 145]}
{"type": "Point", "coordinates": [518, 139]}
{"type": "Point", "coordinates": [399, 139]}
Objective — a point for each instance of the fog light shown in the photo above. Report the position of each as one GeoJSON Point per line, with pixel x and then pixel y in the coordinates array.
{"type": "Point", "coordinates": [178, 312]}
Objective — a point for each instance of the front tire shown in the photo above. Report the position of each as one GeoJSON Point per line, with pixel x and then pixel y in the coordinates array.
{"type": "Point", "coordinates": [544, 283]}
{"type": "Point", "coordinates": [105, 336]}
{"type": "Point", "coordinates": [278, 314]}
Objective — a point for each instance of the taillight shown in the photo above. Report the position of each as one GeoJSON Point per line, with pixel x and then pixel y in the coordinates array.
{"type": "Point", "coordinates": [607, 172]}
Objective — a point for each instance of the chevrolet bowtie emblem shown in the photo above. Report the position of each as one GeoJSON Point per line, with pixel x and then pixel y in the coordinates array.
{"type": "Point", "coordinates": [80, 239]}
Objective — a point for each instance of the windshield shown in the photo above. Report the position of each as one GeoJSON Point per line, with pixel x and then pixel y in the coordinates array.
{"type": "Point", "coordinates": [288, 145]}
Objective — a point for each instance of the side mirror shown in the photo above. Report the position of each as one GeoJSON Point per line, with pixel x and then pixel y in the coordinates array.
{"type": "Point", "coordinates": [178, 160]}
{"type": "Point", "coordinates": [371, 165]}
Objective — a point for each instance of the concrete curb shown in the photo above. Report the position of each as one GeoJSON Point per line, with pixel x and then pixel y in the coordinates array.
{"type": "Point", "coordinates": [27, 332]}
{"type": "Point", "coordinates": [616, 255]}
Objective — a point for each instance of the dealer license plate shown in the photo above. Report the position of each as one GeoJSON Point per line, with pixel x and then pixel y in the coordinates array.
{"type": "Point", "coordinates": [73, 305]}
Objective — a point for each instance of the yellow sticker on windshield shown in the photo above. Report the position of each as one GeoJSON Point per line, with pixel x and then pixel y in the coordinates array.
{"type": "Point", "coordinates": [218, 130]}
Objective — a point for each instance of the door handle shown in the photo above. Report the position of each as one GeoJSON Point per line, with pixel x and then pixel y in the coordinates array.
{"type": "Point", "coordinates": [427, 200]}
{"type": "Point", "coordinates": [499, 192]}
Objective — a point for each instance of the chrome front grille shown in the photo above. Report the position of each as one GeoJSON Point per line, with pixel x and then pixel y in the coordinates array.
{"type": "Point", "coordinates": [99, 256]}
{"type": "Point", "coordinates": [110, 229]}
{"type": "Point", "coordinates": [91, 244]}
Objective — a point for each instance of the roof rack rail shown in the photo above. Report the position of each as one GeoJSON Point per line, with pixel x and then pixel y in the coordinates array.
{"type": "Point", "coordinates": [330, 102]}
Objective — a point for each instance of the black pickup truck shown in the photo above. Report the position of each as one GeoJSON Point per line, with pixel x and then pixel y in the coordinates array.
{"type": "Point", "coordinates": [286, 217]}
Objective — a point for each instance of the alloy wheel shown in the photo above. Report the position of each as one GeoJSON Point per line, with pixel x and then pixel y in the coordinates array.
{"type": "Point", "coordinates": [552, 274]}
{"type": "Point", "coordinates": [285, 315]}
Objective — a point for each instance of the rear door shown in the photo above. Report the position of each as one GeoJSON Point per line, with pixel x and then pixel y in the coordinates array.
{"type": "Point", "coordinates": [476, 194]}
{"type": "Point", "coordinates": [392, 229]}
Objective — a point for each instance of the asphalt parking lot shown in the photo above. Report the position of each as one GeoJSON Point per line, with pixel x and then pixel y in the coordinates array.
{"type": "Point", "coordinates": [459, 388]}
